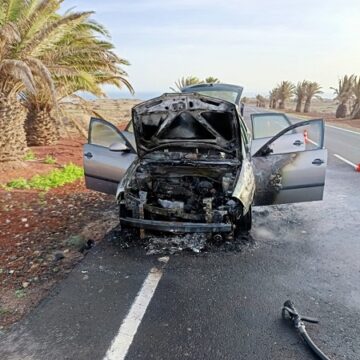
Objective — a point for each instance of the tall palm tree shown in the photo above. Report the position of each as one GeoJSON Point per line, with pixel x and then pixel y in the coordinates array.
{"type": "Point", "coordinates": [97, 65]}
{"type": "Point", "coordinates": [33, 56]}
{"type": "Point", "coordinates": [312, 89]}
{"type": "Point", "coordinates": [355, 111]}
{"type": "Point", "coordinates": [185, 81]}
{"type": "Point", "coordinates": [343, 93]}
{"type": "Point", "coordinates": [273, 98]}
{"type": "Point", "coordinates": [211, 80]}
{"type": "Point", "coordinates": [19, 69]}
{"type": "Point", "coordinates": [300, 94]}
{"type": "Point", "coordinates": [286, 90]}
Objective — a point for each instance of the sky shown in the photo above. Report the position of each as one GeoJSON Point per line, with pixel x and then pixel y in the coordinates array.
{"type": "Point", "coordinates": [252, 43]}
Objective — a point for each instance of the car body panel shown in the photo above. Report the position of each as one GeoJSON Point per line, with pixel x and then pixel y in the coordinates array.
{"type": "Point", "coordinates": [105, 168]}
{"type": "Point", "coordinates": [186, 120]}
{"type": "Point", "coordinates": [245, 185]}
{"type": "Point", "coordinates": [290, 176]}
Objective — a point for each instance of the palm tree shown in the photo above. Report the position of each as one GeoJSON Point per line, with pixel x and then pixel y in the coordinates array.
{"type": "Point", "coordinates": [286, 90]}
{"type": "Point", "coordinates": [273, 98]}
{"type": "Point", "coordinates": [343, 94]}
{"type": "Point", "coordinates": [312, 89]}
{"type": "Point", "coordinates": [185, 81]}
{"type": "Point", "coordinates": [34, 56]}
{"type": "Point", "coordinates": [355, 111]}
{"type": "Point", "coordinates": [97, 65]}
{"type": "Point", "coordinates": [19, 69]}
{"type": "Point", "coordinates": [211, 80]}
{"type": "Point", "coordinates": [260, 101]}
{"type": "Point", "coordinates": [300, 94]}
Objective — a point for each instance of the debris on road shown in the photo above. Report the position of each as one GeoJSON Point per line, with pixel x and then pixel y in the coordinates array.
{"type": "Point", "coordinates": [174, 244]}
{"type": "Point", "coordinates": [289, 311]}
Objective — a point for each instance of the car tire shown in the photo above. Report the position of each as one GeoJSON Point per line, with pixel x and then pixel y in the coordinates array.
{"type": "Point", "coordinates": [245, 222]}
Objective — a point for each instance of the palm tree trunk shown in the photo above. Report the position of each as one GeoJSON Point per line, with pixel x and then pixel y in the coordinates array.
{"type": "Point", "coordinates": [12, 133]}
{"type": "Point", "coordinates": [41, 128]}
{"type": "Point", "coordinates": [341, 111]}
{"type": "Point", "coordinates": [355, 114]}
{"type": "Point", "coordinates": [307, 105]}
{"type": "Point", "coordinates": [298, 105]}
{"type": "Point", "coordinates": [282, 104]}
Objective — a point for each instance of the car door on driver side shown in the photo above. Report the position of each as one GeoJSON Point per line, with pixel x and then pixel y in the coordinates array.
{"type": "Point", "coordinates": [107, 156]}
{"type": "Point", "coordinates": [291, 173]}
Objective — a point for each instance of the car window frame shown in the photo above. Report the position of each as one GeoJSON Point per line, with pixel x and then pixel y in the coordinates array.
{"type": "Point", "coordinates": [113, 127]}
{"type": "Point", "coordinates": [260, 152]}
{"type": "Point", "coordinates": [266, 114]}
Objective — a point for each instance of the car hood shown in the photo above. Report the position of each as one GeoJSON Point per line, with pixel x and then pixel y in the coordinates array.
{"type": "Point", "coordinates": [173, 121]}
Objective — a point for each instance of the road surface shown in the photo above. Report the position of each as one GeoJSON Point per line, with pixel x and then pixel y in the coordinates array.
{"type": "Point", "coordinates": [220, 304]}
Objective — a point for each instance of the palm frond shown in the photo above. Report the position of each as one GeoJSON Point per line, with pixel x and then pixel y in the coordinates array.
{"type": "Point", "coordinates": [19, 71]}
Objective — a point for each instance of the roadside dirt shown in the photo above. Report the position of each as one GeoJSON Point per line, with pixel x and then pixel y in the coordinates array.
{"type": "Point", "coordinates": [44, 234]}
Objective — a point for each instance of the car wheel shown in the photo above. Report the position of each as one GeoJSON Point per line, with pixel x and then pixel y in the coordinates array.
{"type": "Point", "coordinates": [245, 222]}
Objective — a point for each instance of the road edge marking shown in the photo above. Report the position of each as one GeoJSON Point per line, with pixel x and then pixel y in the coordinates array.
{"type": "Point", "coordinates": [345, 160]}
{"type": "Point", "coordinates": [122, 341]}
{"type": "Point", "coordinates": [343, 129]}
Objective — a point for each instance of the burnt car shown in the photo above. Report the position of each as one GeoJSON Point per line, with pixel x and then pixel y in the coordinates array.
{"type": "Point", "coordinates": [185, 164]}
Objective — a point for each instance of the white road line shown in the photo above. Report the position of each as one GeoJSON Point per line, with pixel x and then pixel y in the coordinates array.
{"type": "Point", "coordinates": [345, 160]}
{"type": "Point", "coordinates": [339, 128]}
{"type": "Point", "coordinates": [122, 341]}
{"type": "Point", "coordinates": [313, 142]}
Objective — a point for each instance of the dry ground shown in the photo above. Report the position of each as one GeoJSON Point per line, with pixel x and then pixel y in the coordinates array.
{"type": "Point", "coordinates": [43, 234]}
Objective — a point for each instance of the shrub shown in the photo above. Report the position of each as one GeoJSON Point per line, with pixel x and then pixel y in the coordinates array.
{"type": "Point", "coordinates": [58, 177]}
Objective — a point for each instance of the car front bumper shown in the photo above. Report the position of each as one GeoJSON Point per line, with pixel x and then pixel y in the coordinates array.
{"type": "Point", "coordinates": [176, 227]}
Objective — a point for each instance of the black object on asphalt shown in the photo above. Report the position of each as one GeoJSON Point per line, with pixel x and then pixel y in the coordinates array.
{"type": "Point", "coordinates": [289, 312]}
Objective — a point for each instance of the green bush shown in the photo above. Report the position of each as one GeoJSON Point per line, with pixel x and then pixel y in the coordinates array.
{"type": "Point", "coordinates": [49, 160]}
{"type": "Point", "coordinates": [55, 178]}
{"type": "Point", "coordinates": [30, 156]}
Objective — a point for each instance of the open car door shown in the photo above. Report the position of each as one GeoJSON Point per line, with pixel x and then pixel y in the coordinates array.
{"type": "Point", "coordinates": [286, 172]}
{"type": "Point", "coordinates": [268, 124]}
{"type": "Point", "coordinates": [107, 155]}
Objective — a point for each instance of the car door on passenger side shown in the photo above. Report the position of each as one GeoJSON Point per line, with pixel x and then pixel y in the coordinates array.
{"type": "Point", "coordinates": [292, 173]}
{"type": "Point", "coordinates": [268, 124]}
{"type": "Point", "coordinates": [107, 156]}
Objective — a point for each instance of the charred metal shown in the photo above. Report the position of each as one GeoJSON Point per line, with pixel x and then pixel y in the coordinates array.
{"type": "Point", "coordinates": [191, 162]}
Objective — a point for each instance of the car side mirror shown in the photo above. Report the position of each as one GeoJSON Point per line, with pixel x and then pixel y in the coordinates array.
{"type": "Point", "coordinates": [118, 146]}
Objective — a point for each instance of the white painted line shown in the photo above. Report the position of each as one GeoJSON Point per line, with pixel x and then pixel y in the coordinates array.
{"type": "Point", "coordinates": [122, 341]}
{"type": "Point", "coordinates": [313, 142]}
{"type": "Point", "coordinates": [345, 160]}
{"type": "Point", "coordinates": [339, 128]}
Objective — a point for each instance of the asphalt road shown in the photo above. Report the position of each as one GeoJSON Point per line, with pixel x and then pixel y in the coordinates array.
{"type": "Point", "coordinates": [217, 305]}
